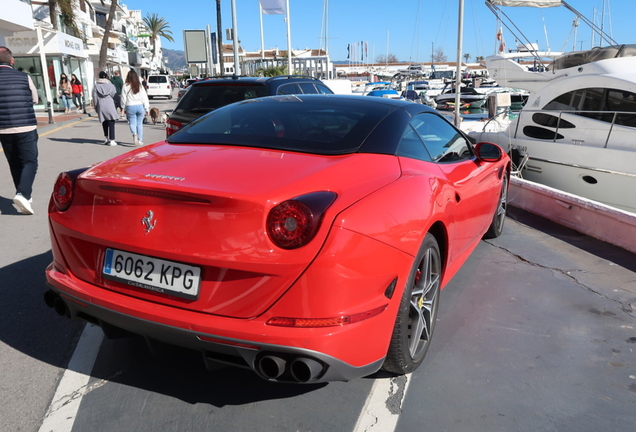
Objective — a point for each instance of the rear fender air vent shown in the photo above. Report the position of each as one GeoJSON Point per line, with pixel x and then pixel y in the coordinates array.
{"type": "Point", "coordinates": [155, 194]}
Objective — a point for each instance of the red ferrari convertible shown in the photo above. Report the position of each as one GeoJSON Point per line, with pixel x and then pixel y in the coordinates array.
{"type": "Point", "coordinates": [304, 237]}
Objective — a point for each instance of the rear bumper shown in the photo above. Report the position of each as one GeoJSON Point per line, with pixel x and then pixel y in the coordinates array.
{"type": "Point", "coordinates": [350, 276]}
{"type": "Point", "coordinates": [236, 352]}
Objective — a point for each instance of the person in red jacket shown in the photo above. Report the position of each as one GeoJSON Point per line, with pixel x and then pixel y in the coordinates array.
{"type": "Point", "coordinates": [78, 91]}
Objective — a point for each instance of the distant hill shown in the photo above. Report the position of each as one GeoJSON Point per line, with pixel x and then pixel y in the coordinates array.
{"type": "Point", "coordinates": [176, 59]}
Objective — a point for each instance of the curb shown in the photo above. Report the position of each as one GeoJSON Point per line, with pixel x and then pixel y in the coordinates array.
{"type": "Point", "coordinates": [44, 127]}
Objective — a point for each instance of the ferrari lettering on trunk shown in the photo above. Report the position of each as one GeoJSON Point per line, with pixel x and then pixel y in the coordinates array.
{"type": "Point", "coordinates": [154, 274]}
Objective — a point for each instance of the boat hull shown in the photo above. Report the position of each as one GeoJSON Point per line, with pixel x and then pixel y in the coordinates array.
{"type": "Point", "coordinates": [601, 174]}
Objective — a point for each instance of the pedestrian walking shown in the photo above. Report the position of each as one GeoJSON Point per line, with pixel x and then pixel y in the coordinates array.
{"type": "Point", "coordinates": [119, 84]}
{"type": "Point", "coordinates": [78, 90]}
{"type": "Point", "coordinates": [65, 93]}
{"type": "Point", "coordinates": [18, 129]}
{"type": "Point", "coordinates": [103, 98]}
{"type": "Point", "coordinates": [134, 99]}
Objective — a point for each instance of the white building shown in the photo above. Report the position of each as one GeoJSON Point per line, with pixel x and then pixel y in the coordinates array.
{"type": "Point", "coordinates": [45, 52]}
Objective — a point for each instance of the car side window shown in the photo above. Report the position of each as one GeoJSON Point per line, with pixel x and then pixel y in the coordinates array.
{"type": "Point", "coordinates": [288, 89]}
{"type": "Point", "coordinates": [308, 88]}
{"type": "Point", "coordinates": [323, 89]}
{"type": "Point", "coordinates": [412, 146]}
{"type": "Point", "coordinates": [443, 142]}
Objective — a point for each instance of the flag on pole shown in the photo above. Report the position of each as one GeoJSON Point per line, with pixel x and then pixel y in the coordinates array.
{"type": "Point", "coordinates": [273, 7]}
{"type": "Point", "coordinates": [500, 38]}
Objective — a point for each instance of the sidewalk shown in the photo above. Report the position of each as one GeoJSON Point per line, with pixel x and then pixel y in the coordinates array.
{"type": "Point", "coordinates": [60, 118]}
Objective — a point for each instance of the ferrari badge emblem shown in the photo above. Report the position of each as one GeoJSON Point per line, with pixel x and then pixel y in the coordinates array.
{"type": "Point", "coordinates": [149, 222]}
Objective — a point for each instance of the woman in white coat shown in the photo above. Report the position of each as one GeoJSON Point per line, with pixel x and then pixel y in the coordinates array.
{"type": "Point", "coordinates": [134, 100]}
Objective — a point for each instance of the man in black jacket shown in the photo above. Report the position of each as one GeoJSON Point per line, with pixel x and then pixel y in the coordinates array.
{"type": "Point", "coordinates": [18, 129]}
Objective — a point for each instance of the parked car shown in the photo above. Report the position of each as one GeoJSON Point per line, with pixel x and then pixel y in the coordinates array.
{"type": "Point", "coordinates": [207, 95]}
{"type": "Point", "coordinates": [159, 85]}
{"type": "Point", "coordinates": [305, 237]}
{"type": "Point", "coordinates": [186, 87]}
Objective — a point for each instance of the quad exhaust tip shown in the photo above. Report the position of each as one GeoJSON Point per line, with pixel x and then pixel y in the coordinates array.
{"type": "Point", "coordinates": [299, 369]}
{"type": "Point", "coordinates": [55, 302]}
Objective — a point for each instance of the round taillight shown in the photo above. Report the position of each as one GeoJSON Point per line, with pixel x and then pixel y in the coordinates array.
{"type": "Point", "coordinates": [63, 192]}
{"type": "Point", "coordinates": [293, 223]}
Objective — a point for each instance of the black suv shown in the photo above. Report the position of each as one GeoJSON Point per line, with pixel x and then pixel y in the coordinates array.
{"type": "Point", "coordinates": [210, 94]}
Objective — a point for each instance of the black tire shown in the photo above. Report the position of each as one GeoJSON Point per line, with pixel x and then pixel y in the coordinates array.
{"type": "Point", "coordinates": [416, 317]}
{"type": "Point", "coordinates": [496, 226]}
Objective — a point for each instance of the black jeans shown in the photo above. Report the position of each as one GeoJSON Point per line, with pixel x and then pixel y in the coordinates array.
{"type": "Point", "coordinates": [109, 129]}
{"type": "Point", "coordinates": [77, 100]}
{"type": "Point", "coordinates": [21, 150]}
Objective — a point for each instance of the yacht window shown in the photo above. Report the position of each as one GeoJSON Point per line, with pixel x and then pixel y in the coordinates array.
{"type": "Point", "coordinates": [625, 104]}
{"type": "Point", "coordinates": [541, 133]}
{"type": "Point", "coordinates": [597, 103]}
{"type": "Point", "coordinates": [551, 121]}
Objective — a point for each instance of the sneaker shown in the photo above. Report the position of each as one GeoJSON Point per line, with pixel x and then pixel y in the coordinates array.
{"type": "Point", "coordinates": [135, 140]}
{"type": "Point", "coordinates": [23, 205]}
{"type": "Point", "coordinates": [140, 143]}
{"type": "Point", "coordinates": [112, 143]}
{"type": "Point", "coordinates": [106, 141]}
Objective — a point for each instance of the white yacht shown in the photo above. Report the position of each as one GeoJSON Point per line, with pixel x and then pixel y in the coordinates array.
{"type": "Point", "coordinates": [578, 126]}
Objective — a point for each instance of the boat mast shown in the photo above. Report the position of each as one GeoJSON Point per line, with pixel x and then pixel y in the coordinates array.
{"type": "Point", "coordinates": [458, 72]}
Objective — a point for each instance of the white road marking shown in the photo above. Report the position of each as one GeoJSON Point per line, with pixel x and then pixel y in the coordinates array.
{"type": "Point", "coordinates": [384, 405]}
{"type": "Point", "coordinates": [61, 414]}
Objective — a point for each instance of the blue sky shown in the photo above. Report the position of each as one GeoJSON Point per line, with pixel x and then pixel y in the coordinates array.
{"type": "Point", "coordinates": [408, 29]}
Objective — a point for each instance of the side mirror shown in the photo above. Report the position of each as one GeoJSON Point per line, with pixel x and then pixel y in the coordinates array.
{"type": "Point", "coordinates": [488, 152]}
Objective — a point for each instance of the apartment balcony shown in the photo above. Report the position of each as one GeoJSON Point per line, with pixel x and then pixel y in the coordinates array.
{"type": "Point", "coordinates": [16, 16]}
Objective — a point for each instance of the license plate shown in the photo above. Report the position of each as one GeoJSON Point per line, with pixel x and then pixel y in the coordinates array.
{"type": "Point", "coordinates": [154, 274]}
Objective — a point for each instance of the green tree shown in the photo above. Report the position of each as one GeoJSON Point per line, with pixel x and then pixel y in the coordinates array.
{"type": "Point", "coordinates": [272, 71]}
{"type": "Point", "coordinates": [64, 9]}
{"type": "Point", "coordinates": [466, 57]}
{"type": "Point", "coordinates": [157, 27]}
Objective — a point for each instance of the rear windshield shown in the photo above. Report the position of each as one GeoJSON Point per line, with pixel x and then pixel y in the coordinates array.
{"type": "Point", "coordinates": [205, 98]}
{"type": "Point", "coordinates": [154, 79]}
{"type": "Point", "coordinates": [313, 124]}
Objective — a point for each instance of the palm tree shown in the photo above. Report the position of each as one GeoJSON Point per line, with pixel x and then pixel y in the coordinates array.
{"type": "Point", "coordinates": [53, 13]}
{"type": "Point", "coordinates": [103, 50]}
{"type": "Point", "coordinates": [157, 27]}
{"type": "Point", "coordinates": [272, 71]}
{"type": "Point", "coordinates": [466, 57]}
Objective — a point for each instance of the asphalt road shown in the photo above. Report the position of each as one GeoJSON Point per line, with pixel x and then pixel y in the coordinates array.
{"type": "Point", "coordinates": [536, 332]}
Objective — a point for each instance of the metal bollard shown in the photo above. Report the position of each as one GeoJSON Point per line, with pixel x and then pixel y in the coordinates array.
{"type": "Point", "coordinates": [50, 110]}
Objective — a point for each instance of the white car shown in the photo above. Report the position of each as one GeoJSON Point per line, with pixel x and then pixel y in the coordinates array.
{"type": "Point", "coordinates": [159, 85]}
